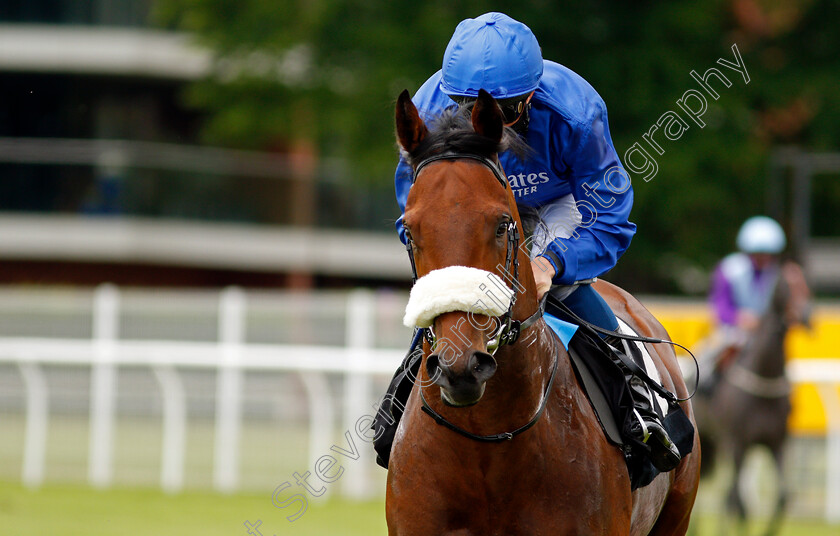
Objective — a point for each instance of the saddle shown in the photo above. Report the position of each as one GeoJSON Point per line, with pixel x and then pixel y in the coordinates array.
{"type": "Point", "coordinates": [605, 387]}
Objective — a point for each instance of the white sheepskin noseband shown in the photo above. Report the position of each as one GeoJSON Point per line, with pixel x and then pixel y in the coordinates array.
{"type": "Point", "coordinates": [456, 288]}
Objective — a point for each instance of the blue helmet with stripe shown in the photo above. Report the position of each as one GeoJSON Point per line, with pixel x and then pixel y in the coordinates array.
{"type": "Point", "coordinates": [492, 52]}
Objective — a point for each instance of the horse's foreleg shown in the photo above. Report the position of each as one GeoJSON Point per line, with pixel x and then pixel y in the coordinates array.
{"type": "Point", "coordinates": [781, 494]}
{"type": "Point", "coordinates": [734, 502]}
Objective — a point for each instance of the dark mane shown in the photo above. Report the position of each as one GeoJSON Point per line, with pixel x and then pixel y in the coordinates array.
{"type": "Point", "coordinates": [531, 220]}
{"type": "Point", "coordinates": [452, 131]}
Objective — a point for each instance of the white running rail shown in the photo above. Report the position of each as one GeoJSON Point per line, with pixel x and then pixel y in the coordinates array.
{"type": "Point", "coordinates": [230, 356]}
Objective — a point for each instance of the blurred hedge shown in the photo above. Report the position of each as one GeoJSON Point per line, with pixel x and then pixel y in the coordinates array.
{"type": "Point", "coordinates": [328, 72]}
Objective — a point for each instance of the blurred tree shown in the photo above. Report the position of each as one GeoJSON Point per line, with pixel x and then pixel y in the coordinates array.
{"type": "Point", "coordinates": [327, 72]}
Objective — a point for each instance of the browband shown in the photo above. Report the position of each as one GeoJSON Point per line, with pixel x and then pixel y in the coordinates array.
{"type": "Point", "coordinates": [448, 155]}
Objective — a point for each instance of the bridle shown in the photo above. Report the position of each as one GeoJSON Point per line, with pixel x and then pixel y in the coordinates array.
{"type": "Point", "coordinates": [509, 329]}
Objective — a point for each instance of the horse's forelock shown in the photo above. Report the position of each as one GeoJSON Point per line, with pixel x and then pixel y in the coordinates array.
{"type": "Point", "coordinates": [452, 131]}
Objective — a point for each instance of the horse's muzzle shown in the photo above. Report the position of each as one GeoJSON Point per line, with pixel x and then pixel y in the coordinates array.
{"type": "Point", "coordinates": [466, 386]}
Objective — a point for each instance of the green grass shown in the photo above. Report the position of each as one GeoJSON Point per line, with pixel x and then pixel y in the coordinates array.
{"type": "Point", "coordinates": [266, 451]}
{"type": "Point", "coordinates": [73, 510]}
{"type": "Point", "coordinates": [710, 525]}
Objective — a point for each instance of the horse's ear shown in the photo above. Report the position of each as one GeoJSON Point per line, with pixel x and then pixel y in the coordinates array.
{"type": "Point", "coordinates": [410, 128]}
{"type": "Point", "coordinates": [487, 118]}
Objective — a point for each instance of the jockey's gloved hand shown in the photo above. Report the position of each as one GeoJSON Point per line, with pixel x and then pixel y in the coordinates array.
{"type": "Point", "coordinates": [543, 274]}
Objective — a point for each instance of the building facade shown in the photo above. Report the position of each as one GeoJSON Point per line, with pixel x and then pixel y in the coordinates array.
{"type": "Point", "coordinates": [102, 170]}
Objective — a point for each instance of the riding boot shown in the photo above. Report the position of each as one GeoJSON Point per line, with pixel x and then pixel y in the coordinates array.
{"type": "Point", "coordinates": [647, 426]}
{"type": "Point", "coordinates": [585, 303]}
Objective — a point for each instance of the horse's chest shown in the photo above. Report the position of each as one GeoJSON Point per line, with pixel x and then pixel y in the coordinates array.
{"type": "Point", "coordinates": [559, 478]}
{"type": "Point", "coordinates": [530, 491]}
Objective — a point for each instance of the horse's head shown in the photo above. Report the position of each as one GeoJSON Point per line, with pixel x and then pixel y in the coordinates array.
{"type": "Point", "coordinates": [794, 303]}
{"type": "Point", "coordinates": [463, 229]}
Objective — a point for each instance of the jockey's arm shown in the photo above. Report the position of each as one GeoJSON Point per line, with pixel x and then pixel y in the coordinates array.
{"type": "Point", "coordinates": [604, 196]}
{"type": "Point", "coordinates": [430, 101]}
{"type": "Point", "coordinates": [721, 299]}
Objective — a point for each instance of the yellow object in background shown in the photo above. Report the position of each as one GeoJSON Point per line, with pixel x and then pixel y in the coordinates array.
{"type": "Point", "coordinates": [689, 324]}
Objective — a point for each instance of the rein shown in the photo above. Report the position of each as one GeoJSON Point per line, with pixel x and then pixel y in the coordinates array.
{"type": "Point", "coordinates": [509, 329]}
{"type": "Point", "coordinates": [757, 385]}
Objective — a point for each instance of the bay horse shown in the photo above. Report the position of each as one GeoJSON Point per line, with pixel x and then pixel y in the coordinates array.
{"type": "Point", "coordinates": [751, 401]}
{"type": "Point", "coordinates": [536, 461]}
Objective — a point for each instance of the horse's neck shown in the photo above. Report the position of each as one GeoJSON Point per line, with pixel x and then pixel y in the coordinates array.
{"type": "Point", "coordinates": [525, 369]}
{"type": "Point", "coordinates": [765, 352]}
{"type": "Point", "coordinates": [526, 366]}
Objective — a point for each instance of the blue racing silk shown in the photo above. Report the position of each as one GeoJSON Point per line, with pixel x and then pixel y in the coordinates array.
{"type": "Point", "coordinates": [572, 154]}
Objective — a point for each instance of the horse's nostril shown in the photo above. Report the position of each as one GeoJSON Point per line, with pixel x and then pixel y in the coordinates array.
{"type": "Point", "coordinates": [479, 368]}
{"type": "Point", "coordinates": [482, 365]}
{"type": "Point", "coordinates": [433, 367]}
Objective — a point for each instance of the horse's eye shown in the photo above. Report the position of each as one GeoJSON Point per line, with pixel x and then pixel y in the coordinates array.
{"type": "Point", "coordinates": [502, 229]}
{"type": "Point", "coordinates": [408, 237]}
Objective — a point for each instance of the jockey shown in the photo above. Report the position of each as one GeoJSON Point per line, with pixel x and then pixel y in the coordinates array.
{"type": "Point", "coordinates": [572, 178]}
{"type": "Point", "coordinates": [742, 285]}
{"type": "Point", "coordinates": [743, 281]}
